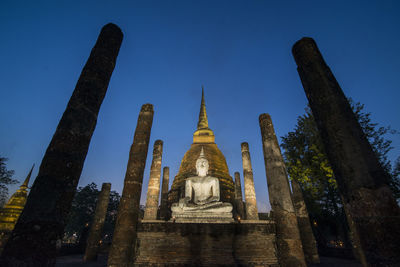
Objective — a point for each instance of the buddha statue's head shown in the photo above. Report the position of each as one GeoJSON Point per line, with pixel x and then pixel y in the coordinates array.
{"type": "Point", "coordinates": [202, 165]}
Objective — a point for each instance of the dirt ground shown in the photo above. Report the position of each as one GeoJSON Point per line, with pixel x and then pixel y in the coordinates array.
{"type": "Point", "coordinates": [76, 261]}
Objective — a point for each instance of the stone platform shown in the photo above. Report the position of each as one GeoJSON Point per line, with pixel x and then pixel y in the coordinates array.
{"type": "Point", "coordinates": [76, 260]}
{"type": "Point", "coordinates": [202, 217]}
{"type": "Point", "coordinates": [161, 243]}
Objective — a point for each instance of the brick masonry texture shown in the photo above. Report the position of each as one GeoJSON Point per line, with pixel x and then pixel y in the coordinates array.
{"type": "Point", "coordinates": [211, 244]}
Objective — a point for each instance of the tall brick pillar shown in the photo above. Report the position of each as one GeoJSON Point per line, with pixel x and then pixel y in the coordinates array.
{"type": "Point", "coordinates": [41, 224]}
{"type": "Point", "coordinates": [121, 252]}
{"type": "Point", "coordinates": [306, 233]}
{"type": "Point", "coordinates": [238, 196]}
{"type": "Point", "coordinates": [153, 190]}
{"type": "Point", "coordinates": [96, 228]}
{"type": "Point", "coordinates": [164, 195]}
{"type": "Point", "coordinates": [287, 231]}
{"type": "Point", "coordinates": [372, 211]}
{"type": "Point", "coordinates": [249, 190]}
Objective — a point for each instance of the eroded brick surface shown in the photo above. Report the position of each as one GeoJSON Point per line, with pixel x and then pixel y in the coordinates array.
{"type": "Point", "coordinates": [190, 244]}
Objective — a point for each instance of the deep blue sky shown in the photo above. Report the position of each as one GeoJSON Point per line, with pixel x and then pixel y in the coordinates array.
{"type": "Point", "coordinates": [239, 50]}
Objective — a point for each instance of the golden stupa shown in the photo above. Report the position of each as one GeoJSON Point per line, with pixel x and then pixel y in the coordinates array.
{"type": "Point", "coordinates": [204, 138]}
{"type": "Point", "coordinates": [9, 214]}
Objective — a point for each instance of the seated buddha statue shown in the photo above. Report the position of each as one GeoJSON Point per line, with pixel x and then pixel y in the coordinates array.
{"type": "Point", "coordinates": [202, 192]}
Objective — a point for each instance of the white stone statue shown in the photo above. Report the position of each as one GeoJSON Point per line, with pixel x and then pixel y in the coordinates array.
{"type": "Point", "coordinates": [202, 193]}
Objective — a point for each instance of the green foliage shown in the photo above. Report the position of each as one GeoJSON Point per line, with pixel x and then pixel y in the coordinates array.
{"type": "Point", "coordinates": [375, 134]}
{"type": "Point", "coordinates": [307, 163]}
{"type": "Point", "coordinates": [83, 208]}
{"type": "Point", "coordinates": [5, 180]}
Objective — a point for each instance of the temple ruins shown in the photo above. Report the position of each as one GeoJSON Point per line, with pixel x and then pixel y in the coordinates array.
{"type": "Point", "coordinates": [207, 224]}
{"type": "Point", "coordinates": [41, 224]}
{"type": "Point", "coordinates": [96, 228]}
{"type": "Point", "coordinates": [202, 219]}
{"type": "Point", "coordinates": [372, 212]}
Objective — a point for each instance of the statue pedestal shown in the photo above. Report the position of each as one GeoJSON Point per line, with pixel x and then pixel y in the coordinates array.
{"type": "Point", "coordinates": [213, 212]}
{"type": "Point", "coordinates": [202, 217]}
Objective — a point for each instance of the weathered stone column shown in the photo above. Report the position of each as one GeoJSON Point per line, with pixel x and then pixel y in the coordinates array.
{"type": "Point", "coordinates": [153, 190]}
{"type": "Point", "coordinates": [306, 233]}
{"type": "Point", "coordinates": [41, 224]}
{"type": "Point", "coordinates": [249, 190]}
{"type": "Point", "coordinates": [124, 238]}
{"type": "Point", "coordinates": [238, 196]}
{"type": "Point", "coordinates": [96, 228]}
{"type": "Point", "coordinates": [164, 194]}
{"type": "Point", "coordinates": [362, 181]}
{"type": "Point", "coordinates": [290, 249]}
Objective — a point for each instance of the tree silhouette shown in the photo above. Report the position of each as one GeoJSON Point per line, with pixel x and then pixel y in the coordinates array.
{"type": "Point", "coordinates": [5, 180]}
{"type": "Point", "coordinates": [308, 164]}
{"type": "Point", "coordinates": [82, 212]}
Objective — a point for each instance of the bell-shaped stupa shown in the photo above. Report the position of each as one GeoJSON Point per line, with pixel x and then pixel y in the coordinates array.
{"type": "Point", "coordinates": [204, 138]}
{"type": "Point", "coordinates": [9, 214]}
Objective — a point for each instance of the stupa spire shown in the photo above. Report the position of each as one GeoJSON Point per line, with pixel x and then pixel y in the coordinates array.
{"type": "Point", "coordinates": [203, 121]}
{"type": "Point", "coordinates": [203, 134]}
{"type": "Point", "coordinates": [26, 182]}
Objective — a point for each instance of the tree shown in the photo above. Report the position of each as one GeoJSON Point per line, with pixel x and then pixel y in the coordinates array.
{"type": "Point", "coordinates": [82, 209]}
{"type": "Point", "coordinates": [5, 180]}
{"type": "Point", "coordinates": [375, 134]}
{"type": "Point", "coordinates": [307, 163]}
{"type": "Point", "coordinates": [395, 182]}
{"type": "Point", "coordinates": [82, 212]}
{"type": "Point", "coordinates": [111, 216]}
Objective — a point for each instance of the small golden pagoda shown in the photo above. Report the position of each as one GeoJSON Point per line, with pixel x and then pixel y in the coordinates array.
{"type": "Point", "coordinates": [204, 138]}
{"type": "Point", "coordinates": [9, 214]}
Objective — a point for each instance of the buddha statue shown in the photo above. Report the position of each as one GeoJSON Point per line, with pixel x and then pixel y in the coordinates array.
{"type": "Point", "coordinates": [202, 195]}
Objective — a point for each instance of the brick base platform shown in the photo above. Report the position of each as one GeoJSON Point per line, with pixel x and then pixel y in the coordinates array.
{"type": "Point", "coordinates": [161, 243]}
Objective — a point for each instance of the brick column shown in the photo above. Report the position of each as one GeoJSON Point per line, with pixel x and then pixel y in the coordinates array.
{"type": "Point", "coordinates": [96, 228]}
{"type": "Point", "coordinates": [306, 233]}
{"type": "Point", "coordinates": [122, 247]}
{"type": "Point", "coordinates": [249, 190]}
{"type": "Point", "coordinates": [287, 231]}
{"type": "Point", "coordinates": [42, 222]}
{"type": "Point", "coordinates": [153, 190]}
{"type": "Point", "coordinates": [371, 209]}
{"type": "Point", "coordinates": [238, 196]}
{"type": "Point", "coordinates": [164, 194]}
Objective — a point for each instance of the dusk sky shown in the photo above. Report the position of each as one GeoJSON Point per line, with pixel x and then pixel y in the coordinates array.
{"type": "Point", "coordinates": [239, 50]}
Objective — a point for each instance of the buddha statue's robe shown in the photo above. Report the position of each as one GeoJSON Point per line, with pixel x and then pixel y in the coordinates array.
{"type": "Point", "coordinates": [201, 194]}
{"type": "Point", "coordinates": [202, 190]}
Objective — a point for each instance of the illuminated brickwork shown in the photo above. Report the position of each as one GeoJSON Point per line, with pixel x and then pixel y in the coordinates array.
{"type": "Point", "coordinates": [9, 214]}
{"type": "Point", "coordinates": [203, 137]}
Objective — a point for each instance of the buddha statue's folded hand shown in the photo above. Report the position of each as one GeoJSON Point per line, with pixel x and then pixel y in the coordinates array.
{"type": "Point", "coordinates": [214, 198]}
{"type": "Point", "coordinates": [183, 202]}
